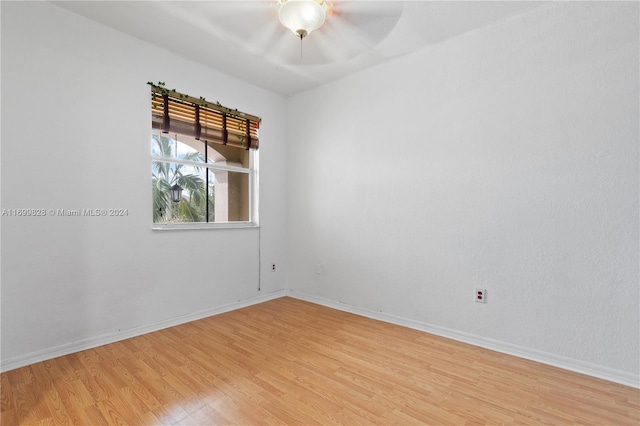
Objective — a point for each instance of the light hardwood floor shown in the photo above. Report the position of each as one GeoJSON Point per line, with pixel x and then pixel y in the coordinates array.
{"type": "Point", "coordinates": [289, 361]}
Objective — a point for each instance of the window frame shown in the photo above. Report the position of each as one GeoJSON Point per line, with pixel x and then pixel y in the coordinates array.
{"type": "Point", "coordinates": [251, 171]}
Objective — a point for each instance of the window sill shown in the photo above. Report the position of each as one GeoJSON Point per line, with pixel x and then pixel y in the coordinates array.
{"type": "Point", "coordinates": [194, 226]}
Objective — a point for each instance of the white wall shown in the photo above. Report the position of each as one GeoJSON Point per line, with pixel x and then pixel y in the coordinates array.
{"type": "Point", "coordinates": [507, 159]}
{"type": "Point", "coordinates": [75, 134]}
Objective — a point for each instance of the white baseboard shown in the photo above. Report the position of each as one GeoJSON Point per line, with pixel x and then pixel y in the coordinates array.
{"type": "Point", "coordinates": [93, 342]}
{"type": "Point", "coordinates": [570, 364]}
{"type": "Point", "coordinates": [594, 370]}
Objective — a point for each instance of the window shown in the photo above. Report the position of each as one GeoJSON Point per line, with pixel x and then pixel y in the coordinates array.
{"type": "Point", "coordinates": [208, 153]}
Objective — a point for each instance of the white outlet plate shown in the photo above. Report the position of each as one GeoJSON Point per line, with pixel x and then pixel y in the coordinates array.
{"type": "Point", "coordinates": [480, 295]}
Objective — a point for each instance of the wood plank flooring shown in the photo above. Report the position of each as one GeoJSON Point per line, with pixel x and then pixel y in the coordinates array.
{"type": "Point", "coordinates": [291, 362]}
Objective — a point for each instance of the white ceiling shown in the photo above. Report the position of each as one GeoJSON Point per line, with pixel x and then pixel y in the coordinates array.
{"type": "Point", "coordinates": [245, 38]}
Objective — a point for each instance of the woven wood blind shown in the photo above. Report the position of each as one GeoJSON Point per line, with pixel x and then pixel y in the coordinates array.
{"type": "Point", "coordinates": [182, 114]}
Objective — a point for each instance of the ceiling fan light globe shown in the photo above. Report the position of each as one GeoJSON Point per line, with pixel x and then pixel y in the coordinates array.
{"type": "Point", "coordinates": [302, 16]}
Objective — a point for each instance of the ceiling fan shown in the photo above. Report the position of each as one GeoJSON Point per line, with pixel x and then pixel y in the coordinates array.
{"type": "Point", "coordinates": [329, 31]}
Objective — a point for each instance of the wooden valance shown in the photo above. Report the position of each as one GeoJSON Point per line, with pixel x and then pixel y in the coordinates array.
{"type": "Point", "coordinates": [173, 112]}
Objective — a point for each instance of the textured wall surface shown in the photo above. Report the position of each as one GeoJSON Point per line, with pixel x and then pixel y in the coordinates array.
{"type": "Point", "coordinates": [75, 134]}
{"type": "Point", "coordinates": [506, 159]}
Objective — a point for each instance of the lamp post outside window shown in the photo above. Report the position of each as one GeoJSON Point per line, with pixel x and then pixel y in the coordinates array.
{"type": "Point", "coordinates": [176, 193]}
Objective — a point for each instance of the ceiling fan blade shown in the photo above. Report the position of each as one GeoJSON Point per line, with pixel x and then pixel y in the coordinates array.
{"type": "Point", "coordinates": [253, 20]}
{"type": "Point", "coordinates": [368, 20]}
